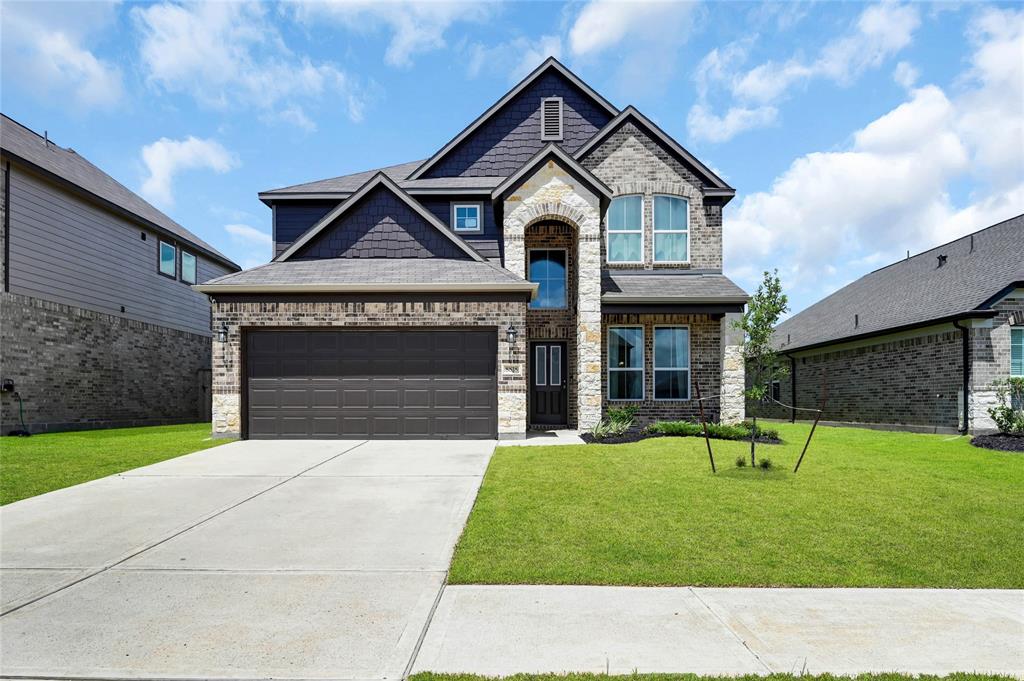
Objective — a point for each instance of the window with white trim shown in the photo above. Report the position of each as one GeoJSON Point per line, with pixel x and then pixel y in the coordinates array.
{"type": "Point", "coordinates": [671, 363]}
{"type": "Point", "coordinates": [671, 229]}
{"type": "Point", "coordinates": [625, 363]}
{"type": "Point", "coordinates": [625, 232]}
{"type": "Point", "coordinates": [1017, 351]}
{"type": "Point", "coordinates": [188, 268]}
{"type": "Point", "coordinates": [168, 260]}
{"type": "Point", "coordinates": [466, 217]}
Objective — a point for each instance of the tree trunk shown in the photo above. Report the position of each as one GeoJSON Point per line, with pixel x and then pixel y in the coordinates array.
{"type": "Point", "coordinates": [753, 435]}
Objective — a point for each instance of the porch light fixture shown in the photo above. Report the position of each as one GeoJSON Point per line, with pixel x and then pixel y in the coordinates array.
{"type": "Point", "coordinates": [222, 333]}
{"type": "Point", "coordinates": [511, 334]}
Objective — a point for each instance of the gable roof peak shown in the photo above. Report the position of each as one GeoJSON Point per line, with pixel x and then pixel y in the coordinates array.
{"type": "Point", "coordinates": [569, 164]}
{"type": "Point", "coordinates": [545, 66]}
{"type": "Point", "coordinates": [379, 179]}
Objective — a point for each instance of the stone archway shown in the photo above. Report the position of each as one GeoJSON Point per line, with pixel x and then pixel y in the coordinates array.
{"type": "Point", "coordinates": [551, 193]}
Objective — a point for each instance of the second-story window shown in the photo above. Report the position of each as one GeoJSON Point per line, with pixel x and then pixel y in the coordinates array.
{"type": "Point", "coordinates": [168, 260]}
{"type": "Point", "coordinates": [671, 229]}
{"type": "Point", "coordinates": [466, 217]}
{"type": "Point", "coordinates": [626, 229]}
{"type": "Point", "coordinates": [188, 268]}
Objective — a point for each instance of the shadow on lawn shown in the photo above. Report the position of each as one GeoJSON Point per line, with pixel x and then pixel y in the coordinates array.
{"type": "Point", "coordinates": [748, 474]}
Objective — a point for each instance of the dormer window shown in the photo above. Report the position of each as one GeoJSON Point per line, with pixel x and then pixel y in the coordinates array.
{"type": "Point", "coordinates": [551, 119]}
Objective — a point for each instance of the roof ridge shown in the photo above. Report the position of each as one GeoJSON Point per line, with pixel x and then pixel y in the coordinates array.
{"type": "Point", "coordinates": [339, 177]}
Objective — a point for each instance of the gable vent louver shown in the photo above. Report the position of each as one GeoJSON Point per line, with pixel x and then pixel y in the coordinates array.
{"type": "Point", "coordinates": [551, 119]}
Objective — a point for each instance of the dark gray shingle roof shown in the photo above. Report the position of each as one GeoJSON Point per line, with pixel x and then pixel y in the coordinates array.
{"type": "Point", "coordinates": [659, 285]}
{"type": "Point", "coordinates": [915, 290]}
{"type": "Point", "coordinates": [371, 271]}
{"type": "Point", "coordinates": [346, 184]}
{"type": "Point", "coordinates": [66, 164]}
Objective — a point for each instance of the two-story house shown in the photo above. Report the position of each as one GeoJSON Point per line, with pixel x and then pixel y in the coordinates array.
{"type": "Point", "coordinates": [558, 257]}
{"type": "Point", "coordinates": [99, 325]}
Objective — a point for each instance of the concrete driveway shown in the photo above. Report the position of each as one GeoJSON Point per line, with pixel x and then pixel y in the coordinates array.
{"type": "Point", "coordinates": [252, 560]}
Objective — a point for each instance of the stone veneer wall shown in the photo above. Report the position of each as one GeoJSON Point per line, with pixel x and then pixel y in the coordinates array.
{"type": "Point", "coordinates": [732, 406]}
{"type": "Point", "coordinates": [239, 315]}
{"type": "Point", "coordinates": [630, 162]}
{"type": "Point", "coordinates": [78, 369]}
{"type": "Point", "coordinates": [556, 325]}
{"type": "Point", "coordinates": [705, 366]}
{"type": "Point", "coordinates": [551, 194]}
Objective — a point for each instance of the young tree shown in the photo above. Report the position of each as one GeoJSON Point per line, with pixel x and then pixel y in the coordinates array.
{"type": "Point", "coordinates": [758, 324]}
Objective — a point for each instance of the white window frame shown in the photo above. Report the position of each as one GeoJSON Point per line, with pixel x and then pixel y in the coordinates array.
{"type": "Point", "coordinates": [608, 235]}
{"type": "Point", "coordinates": [561, 120]}
{"type": "Point", "coordinates": [643, 362]}
{"type": "Point", "coordinates": [655, 368]}
{"type": "Point", "coordinates": [529, 252]}
{"type": "Point", "coordinates": [195, 263]}
{"type": "Point", "coordinates": [1019, 329]}
{"type": "Point", "coordinates": [655, 231]}
{"type": "Point", "coordinates": [160, 259]}
{"type": "Point", "coordinates": [776, 383]}
{"type": "Point", "coordinates": [479, 216]}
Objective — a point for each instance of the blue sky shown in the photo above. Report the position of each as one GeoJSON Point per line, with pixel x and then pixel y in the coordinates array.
{"type": "Point", "coordinates": [852, 132]}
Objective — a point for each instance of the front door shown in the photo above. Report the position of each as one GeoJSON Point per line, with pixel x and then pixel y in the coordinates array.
{"type": "Point", "coordinates": [548, 393]}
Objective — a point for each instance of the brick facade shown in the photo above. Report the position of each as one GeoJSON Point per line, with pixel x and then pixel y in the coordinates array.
{"type": "Point", "coordinates": [912, 380]}
{"type": "Point", "coordinates": [705, 366]}
{"type": "Point", "coordinates": [241, 315]}
{"type": "Point", "coordinates": [77, 369]}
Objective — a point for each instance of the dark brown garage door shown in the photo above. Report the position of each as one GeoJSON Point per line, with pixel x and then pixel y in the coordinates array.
{"type": "Point", "coordinates": [386, 383]}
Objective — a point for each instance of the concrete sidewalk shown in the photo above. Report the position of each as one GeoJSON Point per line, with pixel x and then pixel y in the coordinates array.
{"type": "Point", "coordinates": [499, 630]}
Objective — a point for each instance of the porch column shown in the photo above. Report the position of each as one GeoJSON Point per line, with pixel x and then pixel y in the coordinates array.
{"type": "Point", "coordinates": [733, 371]}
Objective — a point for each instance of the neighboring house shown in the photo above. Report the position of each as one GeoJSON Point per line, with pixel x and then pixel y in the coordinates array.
{"type": "Point", "coordinates": [903, 344]}
{"type": "Point", "coordinates": [556, 258]}
{"type": "Point", "coordinates": [100, 327]}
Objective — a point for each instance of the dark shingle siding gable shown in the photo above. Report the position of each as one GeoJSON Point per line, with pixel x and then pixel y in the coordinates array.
{"type": "Point", "coordinates": [381, 227]}
{"type": "Point", "coordinates": [486, 242]}
{"type": "Point", "coordinates": [512, 136]}
{"type": "Point", "coordinates": [293, 219]}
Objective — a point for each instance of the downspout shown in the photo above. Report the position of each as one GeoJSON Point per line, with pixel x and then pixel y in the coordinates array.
{"type": "Point", "coordinates": [792, 387]}
{"type": "Point", "coordinates": [967, 375]}
{"type": "Point", "coordinates": [7, 227]}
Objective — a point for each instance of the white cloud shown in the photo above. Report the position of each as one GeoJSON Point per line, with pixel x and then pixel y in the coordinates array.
{"type": "Point", "coordinates": [881, 31]}
{"type": "Point", "coordinates": [165, 158]}
{"type": "Point", "coordinates": [892, 189]}
{"type": "Point", "coordinates": [905, 74]}
{"type": "Point", "coordinates": [416, 27]}
{"type": "Point", "coordinates": [706, 125]}
{"type": "Point", "coordinates": [515, 58]}
{"type": "Point", "coordinates": [46, 49]}
{"type": "Point", "coordinates": [229, 54]}
{"type": "Point", "coordinates": [646, 36]}
{"type": "Point", "coordinates": [255, 245]}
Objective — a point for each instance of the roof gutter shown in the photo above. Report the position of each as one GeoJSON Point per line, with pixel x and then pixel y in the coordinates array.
{"type": "Point", "coordinates": [363, 287]}
{"type": "Point", "coordinates": [973, 314]}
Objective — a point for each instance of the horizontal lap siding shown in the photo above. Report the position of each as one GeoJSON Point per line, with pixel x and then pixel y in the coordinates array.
{"type": "Point", "coordinates": [69, 251]}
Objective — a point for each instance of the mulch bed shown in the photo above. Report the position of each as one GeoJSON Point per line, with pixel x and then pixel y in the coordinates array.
{"type": "Point", "coordinates": [637, 436]}
{"type": "Point", "coordinates": [1000, 441]}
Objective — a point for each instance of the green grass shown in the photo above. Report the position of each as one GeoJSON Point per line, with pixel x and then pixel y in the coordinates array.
{"type": "Point", "coordinates": [429, 676]}
{"type": "Point", "coordinates": [42, 463]}
{"type": "Point", "coordinates": [867, 508]}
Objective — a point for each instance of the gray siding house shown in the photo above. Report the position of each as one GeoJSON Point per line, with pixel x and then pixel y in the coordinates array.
{"type": "Point", "coordinates": [903, 345]}
{"type": "Point", "coordinates": [100, 326]}
{"type": "Point", "coordinates": [556, 258]}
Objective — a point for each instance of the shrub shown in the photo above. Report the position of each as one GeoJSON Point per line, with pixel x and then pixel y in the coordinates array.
{"type": "Point", "coordinates": [718, 431]}
{"type": "Point", "coordinates": [1009, 414]}
{"type": "Point", "coordinates": [600, 430]}
{"type": "Point", "coordinates": [621, 419]}
{"type": "Point", "coordinates": [741, 462]}
{"type": "Point", "coordinates": [765, 464]}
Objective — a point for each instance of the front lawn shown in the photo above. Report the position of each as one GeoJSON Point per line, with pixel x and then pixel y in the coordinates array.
{"type": "Point", "coordinates": [42, 463]}
{"type": "Point", "coordinates": [867, 508]}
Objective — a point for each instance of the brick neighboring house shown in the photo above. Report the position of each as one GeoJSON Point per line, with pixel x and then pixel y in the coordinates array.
{"type": "Point", "coordinates": [558, 256]}
{"type": "Point", "coordinates": [98, 324]}
{"type": "Point", "coordinates": [895, 343]}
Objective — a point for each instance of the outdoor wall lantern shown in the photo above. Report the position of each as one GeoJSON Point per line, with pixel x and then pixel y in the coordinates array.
{"type": "Point", "coordinates": [511, 334]}
{"type": "Point", "coordinates": [222, 333]}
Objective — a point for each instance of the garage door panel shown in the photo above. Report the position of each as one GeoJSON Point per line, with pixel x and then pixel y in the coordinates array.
{"type": "Point", "coordinates": [392, 383]}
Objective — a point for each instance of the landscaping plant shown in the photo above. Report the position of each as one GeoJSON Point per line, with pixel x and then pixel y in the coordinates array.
{"type": "Point", "coordinates": [1009, 414]}
{"type": "Point", "coordinates": [717, 431]}
{"type": "Point", "coordinates": [758, 324]}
